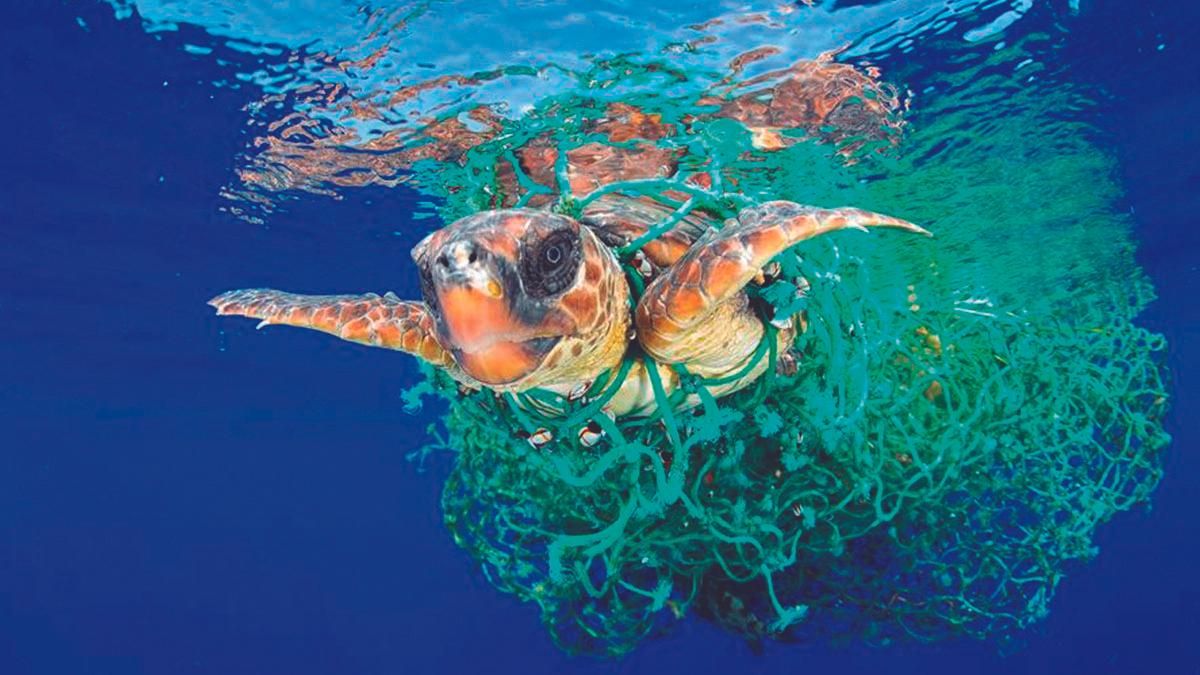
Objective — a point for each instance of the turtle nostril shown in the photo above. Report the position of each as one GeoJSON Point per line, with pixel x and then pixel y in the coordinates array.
{"type": "Point", "coordinates": [460, 256]}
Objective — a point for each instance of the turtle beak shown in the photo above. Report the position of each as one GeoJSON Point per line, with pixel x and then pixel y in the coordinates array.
{"type": "Point", "coordinates": [505, 362]}
{"type": "Point", "coordinates": [474, 310]}
{"type": "Point", "coordinates": [488, 339]}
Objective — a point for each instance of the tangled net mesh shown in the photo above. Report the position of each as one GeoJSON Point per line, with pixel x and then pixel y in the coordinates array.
{"type": "Point", "coordinates": [949, 444]}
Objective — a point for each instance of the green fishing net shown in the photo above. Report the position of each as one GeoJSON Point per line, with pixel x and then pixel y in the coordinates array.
{"type": "Point", "coordinates": [967, 408]}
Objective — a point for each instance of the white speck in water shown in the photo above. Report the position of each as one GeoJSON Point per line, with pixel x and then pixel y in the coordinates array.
{"type": "Point", "coordinates": [1000, 23]}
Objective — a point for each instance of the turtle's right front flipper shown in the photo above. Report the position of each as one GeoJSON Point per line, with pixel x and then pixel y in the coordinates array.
{"type": "Point", "coordinates": [696, 310]}
{"type": "Point", "coordinates": [379, 321]}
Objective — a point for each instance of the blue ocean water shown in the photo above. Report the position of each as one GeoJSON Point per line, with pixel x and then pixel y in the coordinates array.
{"type": "Point", "coordinates": [183, 495]}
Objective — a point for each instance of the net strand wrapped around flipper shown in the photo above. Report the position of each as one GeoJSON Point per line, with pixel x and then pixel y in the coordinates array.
{"type": "Point", "coordinates": [928, 472]}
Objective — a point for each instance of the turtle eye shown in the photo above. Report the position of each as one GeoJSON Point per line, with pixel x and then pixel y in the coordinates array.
{"type": "Point", "coordinates": [551, 266]}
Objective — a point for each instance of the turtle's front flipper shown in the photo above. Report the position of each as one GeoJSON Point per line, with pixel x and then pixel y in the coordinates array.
{"type": "Point", "coordinates": [685, 315]}
{"type": "Point", "coordinates": [369, 319]}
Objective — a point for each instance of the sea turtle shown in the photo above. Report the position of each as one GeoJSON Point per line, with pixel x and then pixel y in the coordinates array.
{"type": "Point", "coordinates": [522, 298]}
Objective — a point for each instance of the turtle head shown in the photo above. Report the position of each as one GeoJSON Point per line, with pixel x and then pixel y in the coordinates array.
{"type": "Point", "coordinates": [524, 298]}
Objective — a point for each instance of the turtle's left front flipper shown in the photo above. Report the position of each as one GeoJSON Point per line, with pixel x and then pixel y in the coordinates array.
{"type": "Point", "coordinates": [379, 321]}
{"type": "Point", "coordinates": [686, 314]}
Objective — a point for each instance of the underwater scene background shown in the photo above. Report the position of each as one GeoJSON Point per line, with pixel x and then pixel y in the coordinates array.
{"type": "Point", "coordinates": [958, 476]}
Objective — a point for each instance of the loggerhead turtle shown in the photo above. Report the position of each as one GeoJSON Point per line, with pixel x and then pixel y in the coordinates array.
{"type": "Point", "coordinates": [517, 299]}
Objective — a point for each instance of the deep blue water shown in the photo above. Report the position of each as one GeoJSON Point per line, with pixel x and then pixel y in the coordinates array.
{"type": "Point", "coordinates": [180, 496]}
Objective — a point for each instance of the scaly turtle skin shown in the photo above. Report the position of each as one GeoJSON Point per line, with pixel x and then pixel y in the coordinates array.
{"type": "Point", "coordinates": [517, 299]}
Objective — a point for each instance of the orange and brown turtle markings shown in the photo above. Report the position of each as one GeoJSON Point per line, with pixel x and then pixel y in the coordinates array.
{"type": "Point", "coordinates": [678, 306]}
{"type": "Point", "coordinates": [370, 319]}
{"type": "Point", "coordinates": [489, 324]}
{"type": "Point", "coordinates": [503, 363]}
